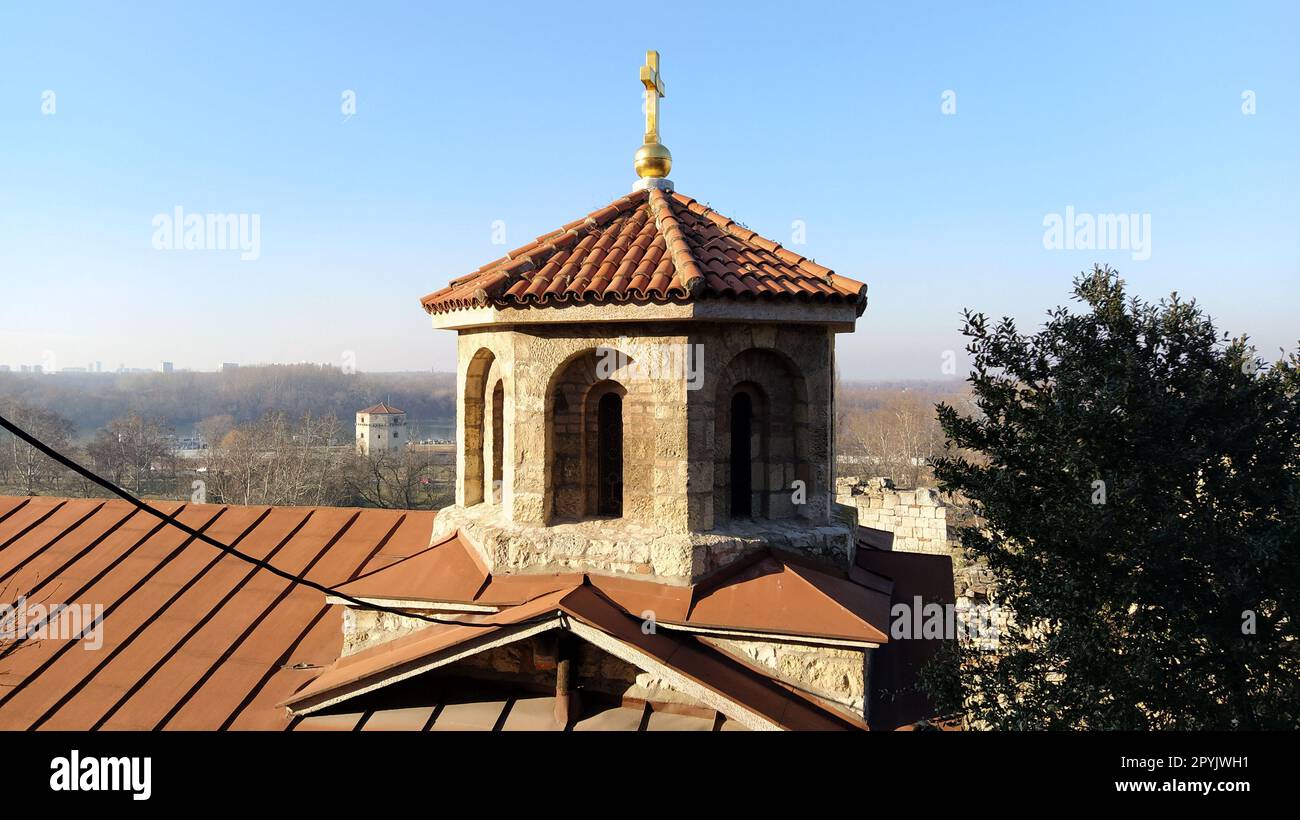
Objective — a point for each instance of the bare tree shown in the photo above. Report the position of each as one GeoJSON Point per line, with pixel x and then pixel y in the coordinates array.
{"type": "Point", "coordinates": [895, 436]}
{"type": "Point", "coordinates": [26, 468]}
{"type": "Point", "coordinates": [410, 479]}
{"type": "Point", "coordinates": [214, 429]}
{"type": "Point", "coordinates": [271, 461]}
{"type": "Point", "coordinates": [134, 451]}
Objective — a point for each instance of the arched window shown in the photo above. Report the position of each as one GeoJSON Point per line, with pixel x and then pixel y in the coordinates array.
{"type": "Point", "coordinates": [498, 441]}
{"type": "Point", "coordinates": [742, 473]}
{"type": "Point", "coordinates": [609, 455]}
{"type": "Point", "coordinates": [599, 444]}
{"type": "Point", "coordinates": [760, 435]}
{"type": "Point", "coordinates": [472, 476]}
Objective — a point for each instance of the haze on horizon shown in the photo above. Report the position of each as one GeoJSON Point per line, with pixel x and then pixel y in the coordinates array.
{"type": "Point", "coordinates": [922, 151]}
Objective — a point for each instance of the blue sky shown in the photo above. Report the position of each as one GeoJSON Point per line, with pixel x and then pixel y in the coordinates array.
{"type": "Point", "coordinates": [471, 113]}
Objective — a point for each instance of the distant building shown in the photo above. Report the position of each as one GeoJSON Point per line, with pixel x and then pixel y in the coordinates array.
{"type": "Point", "coordinates": [380, 428]}
{"type": "Point", "coordinates": [228, 366]}
{"type": "Point", "coordinates": [167, 367]}
{"type": "Point", "coordinates": [4, 368]}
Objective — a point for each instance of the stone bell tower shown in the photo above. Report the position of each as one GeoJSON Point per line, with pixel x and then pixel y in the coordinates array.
{"type": "Point", "coordinates": [646, 391]}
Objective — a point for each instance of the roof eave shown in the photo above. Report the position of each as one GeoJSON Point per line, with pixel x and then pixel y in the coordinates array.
{"type": "Point", "coordinates": [840, 317]}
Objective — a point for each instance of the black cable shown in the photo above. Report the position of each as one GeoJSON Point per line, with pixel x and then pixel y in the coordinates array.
{"type": "Point", "coordinates": [207, 539]}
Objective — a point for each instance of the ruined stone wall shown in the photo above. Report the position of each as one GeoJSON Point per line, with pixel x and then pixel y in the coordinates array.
{"type": "Point", "coordinates": [917, 518]}
{"type": "Point", "coordinates": [919, 521]}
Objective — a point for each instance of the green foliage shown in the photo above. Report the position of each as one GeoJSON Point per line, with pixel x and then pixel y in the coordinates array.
{"type": "Point", "coordinates": [1132, 613]}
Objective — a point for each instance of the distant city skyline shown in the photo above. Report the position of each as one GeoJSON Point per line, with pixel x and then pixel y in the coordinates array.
{"type": "Point", "coordinates": [344, 165]}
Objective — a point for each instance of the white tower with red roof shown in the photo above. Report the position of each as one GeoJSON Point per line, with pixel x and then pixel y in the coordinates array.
{"type": "Point", "coordinates": [380, 429]}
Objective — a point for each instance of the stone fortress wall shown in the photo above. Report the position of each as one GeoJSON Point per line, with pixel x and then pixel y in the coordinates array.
{"type": "Point", "coordinates": [918, 519]}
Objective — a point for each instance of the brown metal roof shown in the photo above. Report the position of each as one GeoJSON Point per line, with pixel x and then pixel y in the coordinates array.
{"type": "Point", "coordinates": [383, 409]}
{"type": "Point", "coordinates": [895, 700]}
{"type": "Point", "coordinates": [194, 638]}
{"type": "Point", "coordinates": [649, 246]}
{"type": "Point", "coordinates": [771, 592]}
{"type": "Point", "coordinates": [711, 669]}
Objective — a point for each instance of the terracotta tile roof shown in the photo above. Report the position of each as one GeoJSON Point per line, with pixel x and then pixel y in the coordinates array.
{"type": "Point", "coordinates": [649, 246]}
{"type": "Point", "coordinates": [383, 408]}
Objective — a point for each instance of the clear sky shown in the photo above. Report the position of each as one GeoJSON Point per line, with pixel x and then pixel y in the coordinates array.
{"type": "Point", "coordinates": [471, 113]}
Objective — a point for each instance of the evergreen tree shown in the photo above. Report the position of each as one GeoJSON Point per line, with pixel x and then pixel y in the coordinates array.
{"type": "Point", "coordinates": [1138, 476]}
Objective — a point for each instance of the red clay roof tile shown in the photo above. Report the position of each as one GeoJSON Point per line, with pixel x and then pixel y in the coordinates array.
{"type": "Point", "coordinates": [649, 246]}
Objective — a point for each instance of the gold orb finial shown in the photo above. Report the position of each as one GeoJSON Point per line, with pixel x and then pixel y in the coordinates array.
{"type": "Point", "coordinates": [653, 160]}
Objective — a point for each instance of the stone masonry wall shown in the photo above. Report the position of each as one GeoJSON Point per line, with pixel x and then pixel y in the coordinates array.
{"type": "Point", "coordinates": [839, 674]}
{"type": "Point", "coordinates": [674, 523]}
{"type": "Point", "coordinates": [917, 518]}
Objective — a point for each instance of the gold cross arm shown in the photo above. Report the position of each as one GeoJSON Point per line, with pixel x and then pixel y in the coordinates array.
{"type": "Point", "coordinates": [654, 89]}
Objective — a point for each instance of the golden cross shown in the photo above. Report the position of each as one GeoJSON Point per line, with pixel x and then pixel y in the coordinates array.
{"type": "Point", "coordinates": [654, 89]}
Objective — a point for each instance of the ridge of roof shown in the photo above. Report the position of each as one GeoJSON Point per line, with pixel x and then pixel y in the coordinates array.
{"type": "Point", "coordinates": [648, 246]}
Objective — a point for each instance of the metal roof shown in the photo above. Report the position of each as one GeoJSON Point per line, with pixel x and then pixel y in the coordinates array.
{"type": "Point", "coordinates": [193, 638]}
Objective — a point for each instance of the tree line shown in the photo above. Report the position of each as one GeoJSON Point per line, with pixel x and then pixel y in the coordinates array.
{"type": "Point", "coordinates": [275, 460]}
{"type": "Point", "coordinates": [246, 394]}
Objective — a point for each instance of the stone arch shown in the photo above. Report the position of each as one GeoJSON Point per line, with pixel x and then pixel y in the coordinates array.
{"type": "Point", "coordinates": [573, 436]}
{"type": "Point", "coordinates": [472, 438]}
{"type": "Point", "coordinates": [778, 441]}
